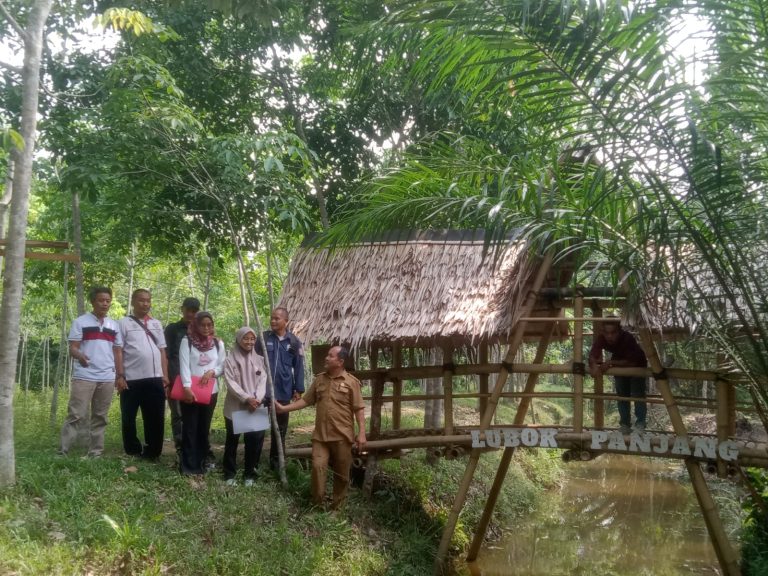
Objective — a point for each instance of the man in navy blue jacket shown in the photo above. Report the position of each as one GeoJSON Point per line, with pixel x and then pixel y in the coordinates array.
{"type": "Point", "coordinates": [286, 362]}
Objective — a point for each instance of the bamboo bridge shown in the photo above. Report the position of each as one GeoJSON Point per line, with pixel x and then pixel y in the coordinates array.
{"type": "Point", "coordinates": [586, 438]}
{"type": "Point", "coordinates": [441, 293]}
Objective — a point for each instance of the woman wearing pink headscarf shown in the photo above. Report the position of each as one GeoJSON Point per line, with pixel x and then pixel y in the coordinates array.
{"type": "Point", "coordinates": [201, 354]}
{"type": "Point", "coordinates": [246, 378]}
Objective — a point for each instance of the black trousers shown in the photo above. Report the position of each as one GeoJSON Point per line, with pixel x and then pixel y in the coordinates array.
{"type": "Point", "coordinates": [147, 395]}
{"type": "Point", "coordinates": [282, 424]}
{"type": "Point", "coordinates": [175, 409]}
{"type": "Point", "coordinates": [195, 425]}
{"type": "Point", "coordinates": [253, 444]}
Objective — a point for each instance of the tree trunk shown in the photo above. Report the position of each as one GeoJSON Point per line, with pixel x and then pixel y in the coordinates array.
{"type": "Point", "coordinates": [61, 362]}
{"type": "Point", "coordinates": [207, 283]}
{"type": "Point", "coordinates": [131, 274]}
{"type": "Point", "coordinates": [243, 300]}
{"type": "Point", "coordinates": [13, 277]}
{"type": "Point", "coordinates": [5, 201]}
{"type": "Point", "coordinates": [298, 128]}
{"type": "Point", "coordinates": [22, 358]}
{"type": "Point", "coordinates": [46, 364]}
{"type": "Point", "coordinates": [270, 284]}
{"type": "Point", "coordinates": [77, 243]}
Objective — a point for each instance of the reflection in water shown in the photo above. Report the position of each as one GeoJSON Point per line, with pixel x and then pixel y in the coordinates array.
{"type": "Point", "coordinates": [614, 516]}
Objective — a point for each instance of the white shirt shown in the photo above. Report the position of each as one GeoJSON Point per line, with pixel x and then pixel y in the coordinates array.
{"type": "Point", "coordinates": [192, 362]}
{"type": "Point", "coordinates": [141, 355]}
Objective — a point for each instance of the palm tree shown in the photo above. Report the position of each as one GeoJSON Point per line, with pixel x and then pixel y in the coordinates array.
{"type": "Point", "coordinates": [620, 158]}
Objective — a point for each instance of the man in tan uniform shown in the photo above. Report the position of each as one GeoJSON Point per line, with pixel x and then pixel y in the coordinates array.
{"type": "Point", "coordinates": [336, 395]}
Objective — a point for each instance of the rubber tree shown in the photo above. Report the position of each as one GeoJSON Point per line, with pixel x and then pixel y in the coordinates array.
{"type": "Point", "coordinates": [13, 276]}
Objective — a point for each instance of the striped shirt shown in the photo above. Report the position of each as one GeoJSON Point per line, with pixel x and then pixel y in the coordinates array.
{"type": "Point", "coordinates": [97, 339]}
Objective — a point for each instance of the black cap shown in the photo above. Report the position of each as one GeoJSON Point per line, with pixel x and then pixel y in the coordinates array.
{"type": "Point", "coordinates": [191, 304]}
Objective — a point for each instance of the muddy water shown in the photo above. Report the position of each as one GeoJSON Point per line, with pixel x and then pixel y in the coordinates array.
{"type": "Point", "coordinates": [616, 516]}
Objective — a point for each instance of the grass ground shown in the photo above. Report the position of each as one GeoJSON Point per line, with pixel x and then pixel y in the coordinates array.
{"type": "Point", "coordinates": [119, 515]}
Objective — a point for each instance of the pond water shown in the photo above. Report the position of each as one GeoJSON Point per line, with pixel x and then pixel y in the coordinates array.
{"type": "Point", "coordinates": [615, 516]}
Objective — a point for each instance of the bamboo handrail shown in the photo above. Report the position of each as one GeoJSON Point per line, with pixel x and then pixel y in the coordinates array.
{"type": "Point", "coordinates": [579, 318]}
{"type": "Point", "coordinates": [419, 372]}
{"type": "Point", "coordinates": [756, 455]}
{"type": "Point", "coordinates": [41, 243]}
{"type": "Point", "coordinates": [684, 401]}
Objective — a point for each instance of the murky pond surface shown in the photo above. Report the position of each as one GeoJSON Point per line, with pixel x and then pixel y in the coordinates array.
{"type": "Point", "coordinates": [616, 516]}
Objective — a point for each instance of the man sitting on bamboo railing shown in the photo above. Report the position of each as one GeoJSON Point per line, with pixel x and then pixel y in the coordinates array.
{"type": "Point", "coordinates": [625, 353]}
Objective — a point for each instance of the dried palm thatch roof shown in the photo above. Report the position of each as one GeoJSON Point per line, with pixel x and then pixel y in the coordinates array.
{"type": "Point", "coordinates": [416, 288]}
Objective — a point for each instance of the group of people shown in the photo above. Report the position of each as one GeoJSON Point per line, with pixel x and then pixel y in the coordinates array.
{"type": "Point", "coordinates": [141, 360]}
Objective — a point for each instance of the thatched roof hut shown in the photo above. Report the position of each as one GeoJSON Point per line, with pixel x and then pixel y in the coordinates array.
{"type": "Point", "coordinates": [415, 288]}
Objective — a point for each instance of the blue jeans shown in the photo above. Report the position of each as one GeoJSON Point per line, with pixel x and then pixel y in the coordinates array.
{"type": "Point", "coordinates": [633, 387]}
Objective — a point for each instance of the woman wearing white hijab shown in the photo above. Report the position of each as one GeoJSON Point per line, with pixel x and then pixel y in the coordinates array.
{"type": "Point", "coordinates": [246, 377]}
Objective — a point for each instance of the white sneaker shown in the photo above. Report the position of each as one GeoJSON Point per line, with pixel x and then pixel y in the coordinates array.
{"type": "Point", "coordinates": [232, 482]}
{"type": "Point", "coordinates": [248, 482]}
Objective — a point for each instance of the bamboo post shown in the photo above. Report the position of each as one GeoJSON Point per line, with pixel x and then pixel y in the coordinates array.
{"type": "Point", "coordinates": [533, 377]}
{"type": "Point", "coordinates": [371, 466]}
{"type": "Point", "coordinates": [723, 549]}
{"type": "Point", "coordinates": [377, 392]}
{"type": "Point", "coordinates": [506, 458]}
{"type": "Point", "coordinates": [597, 312]}
{"type": "Point", "coordinates": [725, 555]}
{"type": "Point", "coordinates": [731, 409]}
{"type": "Point", "coordinates": [721, 416]}
{"type": "Point", "coordinates": [482, 404]}
{"type": "Point", "coordinates": [397, 386]}
{"type": "Point", "coordinates": [578, 358]}
{"type": "Point", "coordinates": [447, 389]}
{"type": "Point", "coordinates": [469, 472]}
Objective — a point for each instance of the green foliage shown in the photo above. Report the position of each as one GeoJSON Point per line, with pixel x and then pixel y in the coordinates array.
{"type": "Point", "coordinates": [133, 21]}
{"type": "Point", "coordinates": [754, 548]}
{"type": "Point", "coordinates": [11, 139]}
{"type": "Point", "coordinates": [621, 162]}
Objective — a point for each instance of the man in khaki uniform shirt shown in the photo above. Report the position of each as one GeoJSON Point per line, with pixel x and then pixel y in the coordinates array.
{"type": "Point", "coordinates": [336, 395]}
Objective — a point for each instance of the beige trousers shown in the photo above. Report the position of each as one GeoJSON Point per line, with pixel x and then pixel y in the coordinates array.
{"type": "Point", "coordinates": [339, 454]}
{"type": "Point", "coordinates": [86, 396]}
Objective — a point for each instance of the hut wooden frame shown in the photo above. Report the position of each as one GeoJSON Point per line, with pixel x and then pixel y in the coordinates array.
{"type": "Point", "coordinates": [537, 308]}
{"type": "Point", "coordinates": [32, 252]}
